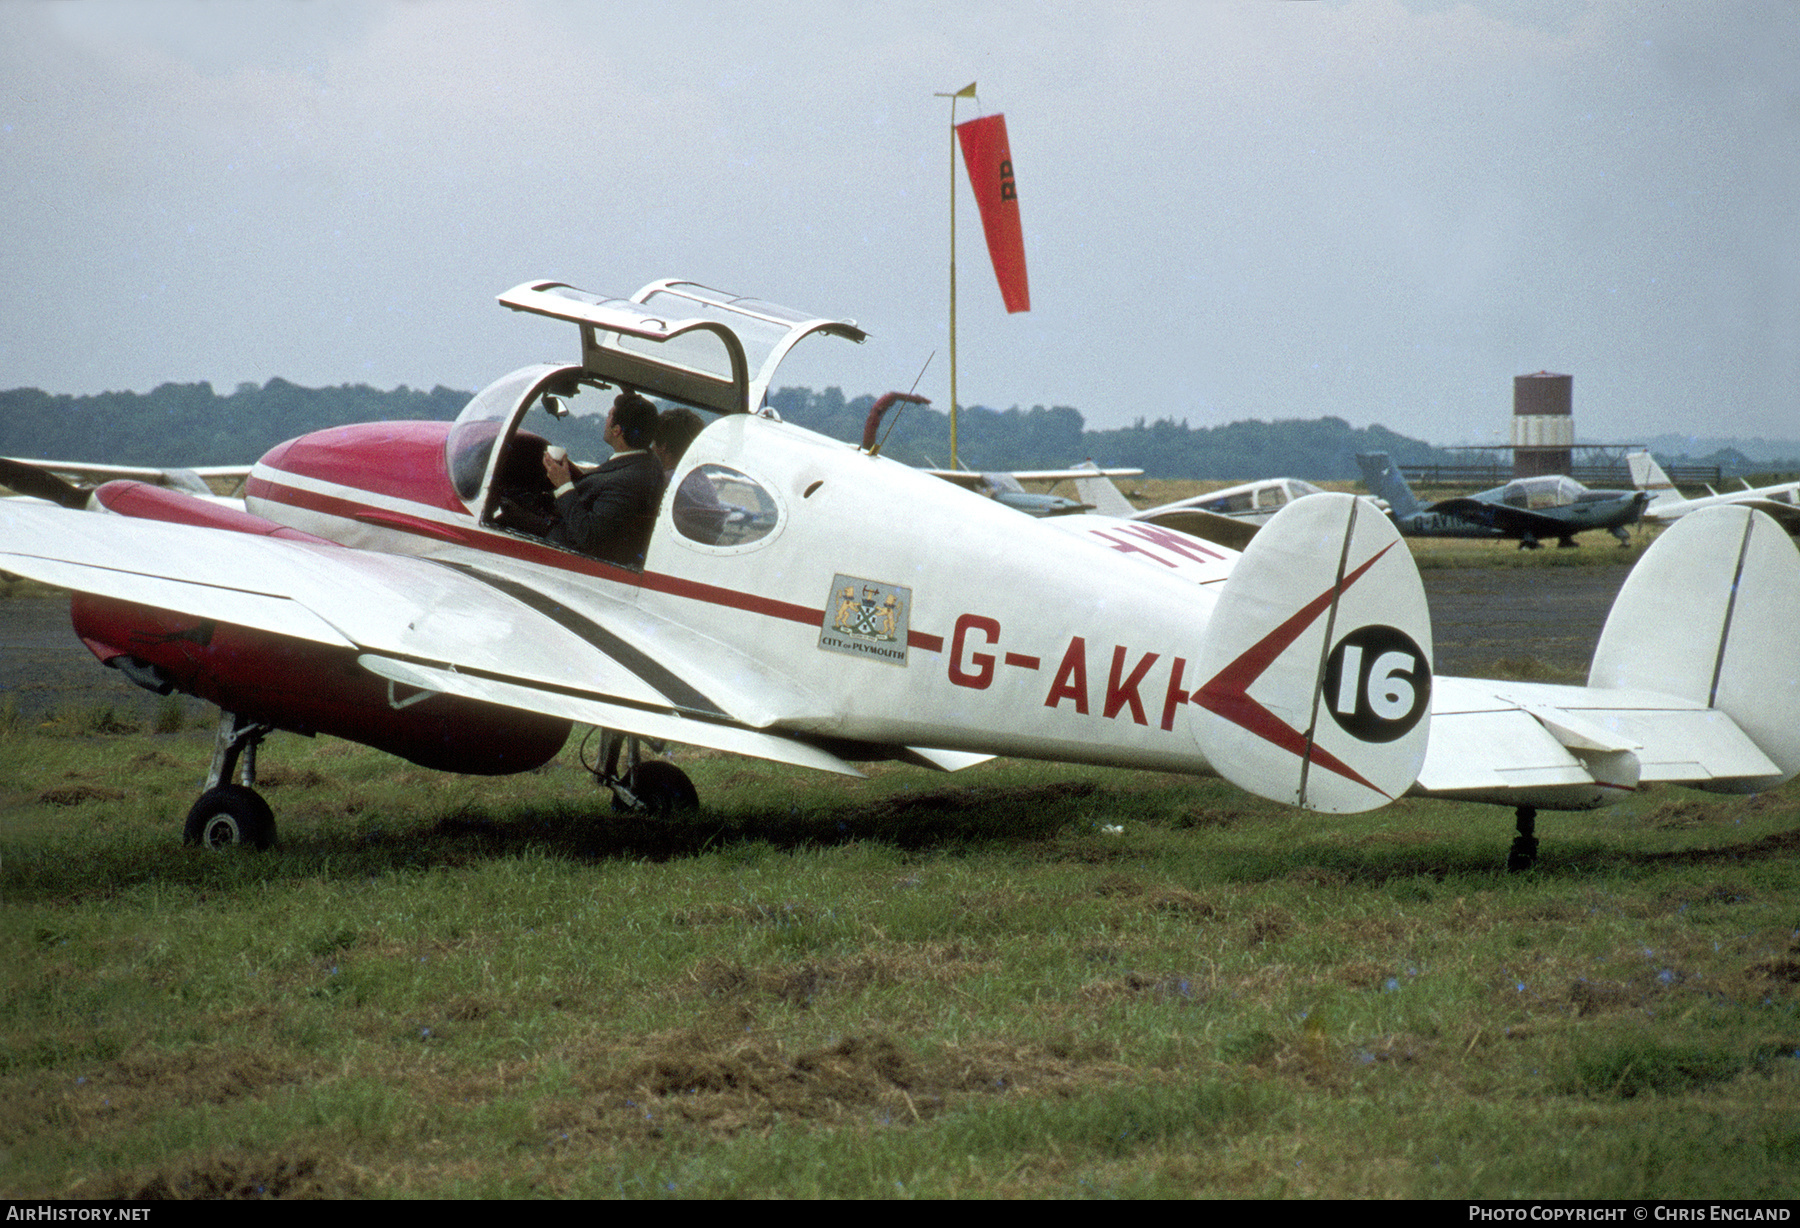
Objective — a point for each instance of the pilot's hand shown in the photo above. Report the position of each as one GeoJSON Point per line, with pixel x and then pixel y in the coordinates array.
{"type": "Point", "coordinates": [558, 471]}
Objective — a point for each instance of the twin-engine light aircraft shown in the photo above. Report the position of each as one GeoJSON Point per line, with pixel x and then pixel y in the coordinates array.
{"type": "Point", "coordinates": [805, 601]}
{"type": "Point", "coordinates": [1525, 508]}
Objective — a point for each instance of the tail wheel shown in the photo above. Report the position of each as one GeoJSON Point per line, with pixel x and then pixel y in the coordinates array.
{"type": "Point", "coordinates": [230, 816]}
{"type": "Point", "coordinates": [660, 789]}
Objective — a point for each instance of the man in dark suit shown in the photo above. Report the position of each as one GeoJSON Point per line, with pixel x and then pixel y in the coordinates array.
{"type": "Point", "coordinates": [609, 513]}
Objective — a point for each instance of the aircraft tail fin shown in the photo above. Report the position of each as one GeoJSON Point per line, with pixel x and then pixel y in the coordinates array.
{"type": "Point", "coordinates": [1706, 616]}
{"type": "Point", "coordinates": [1099, 493]}
{"type": "Point", "coordinates": [1315, 671]}
{"type": "Point", "coordinates": [1647, 475]}
{"type": "Point", "coordinates": [1385, 481]}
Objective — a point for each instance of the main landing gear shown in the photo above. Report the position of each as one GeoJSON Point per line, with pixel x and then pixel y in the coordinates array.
{"type": "Point", "coordinates": [230, 814]}
{"type": "Point", "coordinates": [653, 787]}
{"type": "Point", "coordinates": [1523, 855]}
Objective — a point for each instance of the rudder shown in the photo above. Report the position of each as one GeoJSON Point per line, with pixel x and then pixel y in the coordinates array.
{"type": "Point", "coordinates": [1705, 616]}
{"type": "Point", "coordinates": [1318, 661]}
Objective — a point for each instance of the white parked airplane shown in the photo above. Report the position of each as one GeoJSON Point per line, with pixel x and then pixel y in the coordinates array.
{"type": "Point", "coordinates": [1229, 517]}
{"type": "Point", "coordinates": [1781, 502]}
{"type": "Point", "coordinates": [802, 600]}
{"type": "Point", "coordinates": [1005, 487]}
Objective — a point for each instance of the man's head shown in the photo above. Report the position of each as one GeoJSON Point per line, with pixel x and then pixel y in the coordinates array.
{"type": "Point", "coordinates": [634, 418]}
{"type": "Point", "coordinates": [676, 428]}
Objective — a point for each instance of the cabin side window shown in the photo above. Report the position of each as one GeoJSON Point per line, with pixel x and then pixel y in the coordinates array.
{"type": "Point", "coordinates": [716, 505]}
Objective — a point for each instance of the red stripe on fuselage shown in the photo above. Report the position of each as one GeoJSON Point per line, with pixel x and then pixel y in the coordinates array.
{"type": "Point", "coordinates": [549, 556]}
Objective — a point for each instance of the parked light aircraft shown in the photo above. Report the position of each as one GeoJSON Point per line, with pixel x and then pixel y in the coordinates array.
{"type": "Point", "coordinates": [1781, 502]}
{"type": "Point", "coordinates": [1005, 488]}
{"type": "Point", "coordinates": [851, 608]}
{"type": "Point", "coordinates": [1256, 502]}
{"type": "Point", "coordinates": [1526, 508]}
{"type": "Point", "coordinates": [1230, 516]}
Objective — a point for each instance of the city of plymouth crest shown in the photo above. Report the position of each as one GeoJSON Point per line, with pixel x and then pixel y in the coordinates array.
{"type": "Point", "coordinates": [866, 618]}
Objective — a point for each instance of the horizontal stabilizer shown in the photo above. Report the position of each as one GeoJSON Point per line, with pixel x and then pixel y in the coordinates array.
{"type": "Point", "coordinates": [1572, 748]}
{"type": "Point", "coordinates": [1696, 681]}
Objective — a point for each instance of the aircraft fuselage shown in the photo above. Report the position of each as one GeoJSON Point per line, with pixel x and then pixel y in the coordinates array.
{"type": "Point", "coordinates": [883, 609]}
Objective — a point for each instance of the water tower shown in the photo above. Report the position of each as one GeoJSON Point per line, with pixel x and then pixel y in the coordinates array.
{"type": "Point", "coordinates": [1543, 429]}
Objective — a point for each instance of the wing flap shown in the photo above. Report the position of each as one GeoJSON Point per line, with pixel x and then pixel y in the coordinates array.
{"type": "Point", "coordinates": [597, 710]}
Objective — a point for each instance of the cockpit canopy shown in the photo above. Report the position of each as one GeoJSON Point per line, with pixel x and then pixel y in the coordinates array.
{"type": "Point", "coordinates": [674, 340]}
{"type": "Point", "coordinates": [680, 340]}
{"type": "Point", "coordinates": [1552, 490]}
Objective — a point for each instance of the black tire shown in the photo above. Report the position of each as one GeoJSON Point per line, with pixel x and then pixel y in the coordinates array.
{"type": "Point", "coordinates": [230, 816]}
{"type": "Point", "coordinates": [663, 789]}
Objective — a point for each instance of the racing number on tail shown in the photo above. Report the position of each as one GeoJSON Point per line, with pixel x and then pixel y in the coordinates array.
{"type": "Point", "coordinates": [1377, 684]}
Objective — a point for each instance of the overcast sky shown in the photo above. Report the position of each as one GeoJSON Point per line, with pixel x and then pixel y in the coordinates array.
{"type": "Point", "coordinates": [1376, 209]}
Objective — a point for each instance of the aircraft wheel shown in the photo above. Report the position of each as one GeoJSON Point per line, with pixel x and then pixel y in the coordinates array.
{"type": "Point", "coordinates": [662, 789]}
{"type": "Point", "coordinates": [1524, 852]}
{"type": "Point", "coordinates": [228, 816]}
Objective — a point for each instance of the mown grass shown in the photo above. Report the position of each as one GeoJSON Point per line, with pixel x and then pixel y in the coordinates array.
{"type": "Point", "coordinates": [914, 985]}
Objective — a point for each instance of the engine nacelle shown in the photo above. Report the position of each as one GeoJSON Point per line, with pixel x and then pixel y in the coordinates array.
{"type": "Point", "coordinates": [309, 688]}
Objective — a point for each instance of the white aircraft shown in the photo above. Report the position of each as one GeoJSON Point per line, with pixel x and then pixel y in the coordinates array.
{"type": "Point", "coordinates": [1005, 487]}
{"type": "Point", "coordinates": [1229, 517]}
{"type": "Point", "coordinates": [804, 601]}
{"type": "Point", "coordinates": [1782, 502]}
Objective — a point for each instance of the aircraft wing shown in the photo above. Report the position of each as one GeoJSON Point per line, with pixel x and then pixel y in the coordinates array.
{"type": "Point", "coordinates": [971, 478]}
{"type": "Point", "coordinates": [1501, 516]}
{"type": "Point", "coordinates": [1787, 515]}
{"type": "Point", "coordinates": [1225, 531]}
{"type": "Point", "coordinates": [457, 629]}
{"type": "Point", "coordinates": [194, 480]}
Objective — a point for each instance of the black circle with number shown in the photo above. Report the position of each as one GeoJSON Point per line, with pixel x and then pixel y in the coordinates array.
{"type": "Point", "coordinates": [1377, 683]}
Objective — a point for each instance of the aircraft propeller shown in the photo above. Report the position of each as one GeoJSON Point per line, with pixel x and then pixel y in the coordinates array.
{"type": "Point", "coordinates": [41, 484]}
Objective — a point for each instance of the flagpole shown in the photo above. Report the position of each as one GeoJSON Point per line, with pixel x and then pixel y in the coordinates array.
{"type": "Point", "coordinates": [967, 91]}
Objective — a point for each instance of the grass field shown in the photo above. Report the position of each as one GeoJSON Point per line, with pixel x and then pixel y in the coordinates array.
{"type": "Point", "coordinates": [1020, 980]}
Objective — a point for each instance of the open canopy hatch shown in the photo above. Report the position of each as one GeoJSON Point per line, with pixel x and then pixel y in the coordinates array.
{"type": "Point", "coordinates": [680, 340]}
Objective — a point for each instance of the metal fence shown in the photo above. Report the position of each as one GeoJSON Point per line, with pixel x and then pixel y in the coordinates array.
{"type": "Point", "coordinates": [1600, 477]}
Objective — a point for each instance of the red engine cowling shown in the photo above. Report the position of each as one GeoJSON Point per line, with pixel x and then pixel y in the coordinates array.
{"type": "Point", "coordinates": [294, 684]}
{"type": "Point", "coordinates": [310, 688]}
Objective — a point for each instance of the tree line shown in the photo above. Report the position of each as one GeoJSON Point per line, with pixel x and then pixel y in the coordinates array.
{"type": "Point", "coordinates": [178, 425]}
